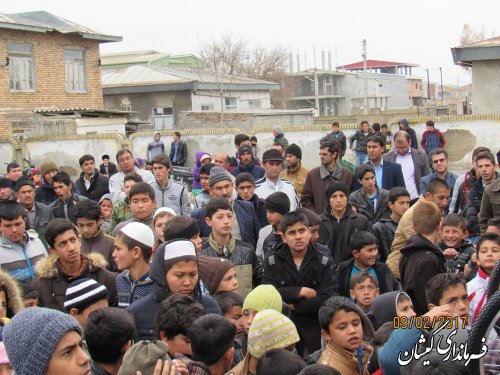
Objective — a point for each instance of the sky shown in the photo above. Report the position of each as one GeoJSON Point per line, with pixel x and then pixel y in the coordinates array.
{"type": "Point", "coordinates": [418, 32]}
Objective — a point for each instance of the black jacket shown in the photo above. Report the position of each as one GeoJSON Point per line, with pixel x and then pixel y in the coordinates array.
{"type": "Point", "coordinates": [361, 140]}
{"type": "Point", "coordinates": [464, 253]}
{"type": "Point", "coordinates": [260, 210]}
{"type": "Point", "coordinates": [256, 171]}
{"type": "Point", "coordinates": [359, 199]}
{"type": "Point", "coordinates": [111, 169]}
{"type": "Point", "coordinates": [342, 279]}
{"type": "Point", "coordinates": [339, 137]}
{"type": "Point", "coordinates": [420, 261]}
{"type": "Point", "coordinates": [270, 242]}
{"type": "Point", "coordinates": [99, 185]}
{"type": "Point", "coordinates": [45, 193]}
{"type": "Point", "coordinates": [57, 208]}
{"type": "Point", "coordinates": [384, 230]}
{"type": "Point", "coordinates": [182, 154]}
{"type": "Point", "coordinates": [336, 234]}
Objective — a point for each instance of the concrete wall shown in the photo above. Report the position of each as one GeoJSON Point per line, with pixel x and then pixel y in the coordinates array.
{"type": "Point", "coordinates": [486, 87]}
{"type": "Point", "coordinates": [242, 99]}
{"type": "Point", "coordinates": [7, 153]}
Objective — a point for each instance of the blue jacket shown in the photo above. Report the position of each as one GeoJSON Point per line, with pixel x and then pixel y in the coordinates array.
{"type": "Point", "coordinates": [260, 210]}
{"type": "Point", "coordinates": [256, 171]}
{"type": "Point", "coordinates": [400, 341]}
{"type": "Point", "coordinates": [247, 220]}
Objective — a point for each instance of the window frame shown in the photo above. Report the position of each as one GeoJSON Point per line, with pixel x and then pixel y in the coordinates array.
{"type": "Point", "coordinates": [17, 60]}
{"type": "Point", "coordinates": [72, 61]}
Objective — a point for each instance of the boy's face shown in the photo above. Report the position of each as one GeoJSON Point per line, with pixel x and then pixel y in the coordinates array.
{"type": "Point", "coordinates": [88, 167]}
{"type": "Point", "coordinates": [234, 315]}
{"type": "Point", "coordinates": [457, 298]}
{"type": "Point", "coordinates": [452, 236]}
{"type": "Point", "coordinates": [106, 208]}
{"type": "Point", "coordinates": [182, 277]}
{"type": "Point", "coordinates": [400, 206]}
{"type": "Point", "coordinates": [127, 186]}
{"type": "Point", "coordinates": [196, 240]}
{"type": "Point", "coordinates": [159, 225]}
{"type": "Point", "coordinates": [229, 283]}
{"type": "Point", "coordinates": [247, 318]}
{"type": "Point", "coordinates": [160, 172]}
{"type": "Point", "coordinates": [335, 128]}
{"type": "Point", "coordinates": [405, 308]}
{"type": "Point", "coordinates": [123, 256]}
{"type": "Point", "coordinates": [274, 218]}
{"type": "Point", "coordinates": [338, 201]}
{"type": "Point", "coordinates": [314, 230]}
{"type": "Point", "coordinates": [221, 222]}
{"type": "Point", "coordinates": [30, 302]}
{"type": "Point", "coordinates": [245, 190]}
{"type": "Point", "coordinates": [486, 169]}
{"type": "Point", "coordinates": [62, 190]}
{"type": "Point", "coordinates": [369, 182]}
{"type": "Point", "coordinates": [142, 206]}
{"type": "Point", "coordinates": [69, 357]}
{"type": "Point", "coordinates": [365, 127]}
{"type": "Point", "coordinates": [204, 181]}
{"type": "Point", "coordinates": [13, 230]}
{"type": "Point", "coordinates": [297, 237]}
{"type": "Point", "coordinates": [488, 254]}
{"type": "Point", "coordinates": [384, 131]}
{"type": "Point", "coordinates": [345, 330]}
{"type": "Point", "coordinates": [67, 246]}
{"type": "Point", "coordinates": [88, 227]}
{"type": "Point", "coordinates": [367, 256]}
{"type": "Point", "coordinates": [3, 302]}
{"type": "Point", "coordinates": [364, 294]}
{"type": "Point", "coordinates": [179, 344]}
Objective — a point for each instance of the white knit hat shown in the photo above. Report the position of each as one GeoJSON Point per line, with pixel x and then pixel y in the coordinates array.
{"type": "Point", "coordinates": [164, 209]}
{"type": "Point", "coordinates": [139, 232]}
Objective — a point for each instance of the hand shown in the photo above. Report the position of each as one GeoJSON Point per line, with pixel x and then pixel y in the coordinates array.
{"type": "Point", "coordinates": [438, 311]}
{"type": "Point", "coordinates": [473, 258]}
{"type": "Point", "coordinates": [450, 253]}
{"type": "Point", "coordinates": [467, 271]}
{"type": "Point", "coordinates": [177, 368]}
{"type": "Point", "coordinates": [307, 293]}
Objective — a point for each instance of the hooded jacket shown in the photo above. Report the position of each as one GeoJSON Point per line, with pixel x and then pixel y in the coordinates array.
{"type": "Point", "coordinates": [9, 286]}
{"type": "Point", "coordinates": [99, 185]}
{"type": "Point", "coordinates": [155, 147]}
{"type": "Point", "coordinates": [384, 307]}
{"type": "Point", "coordinates": [145, 309]}
{"type": "Point", "coordinates": [256, 171]}
{"type": "Point", "coordinates": [52, 282]}
{"type": "Point", "coordinates": [196, 170]}
{"type": "Point", "coordinates": [420, 261]}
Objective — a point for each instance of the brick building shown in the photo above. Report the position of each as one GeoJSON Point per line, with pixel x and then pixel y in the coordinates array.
{"type": "Point", "coordinates": [46, 62]}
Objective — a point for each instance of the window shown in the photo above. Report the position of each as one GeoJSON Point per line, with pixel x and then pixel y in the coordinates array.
{"type": "Point", "coordinates": [207, 107]}
{"type": "Point", "coordinates": [21, 67]}
{"type": "Point", "coordinates": [74, 65]}
{"type": "Point", "coordinates": [254, 104]}
{"type": "Point", "coordinates": [230, 103]}
{"type": "Point", "coordinates": [162, 111]}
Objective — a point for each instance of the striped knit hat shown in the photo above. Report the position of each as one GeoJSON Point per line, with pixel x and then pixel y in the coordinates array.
{"type": "Point", "coordinates": [271, 330]}
{"type": "Point", "coordinates": [84, 292]}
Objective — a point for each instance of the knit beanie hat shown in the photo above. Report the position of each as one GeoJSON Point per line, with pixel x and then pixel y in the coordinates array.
{"type": "Point", "coordinates": [212, 271]}
{"type": "Point", "coordinates": [5, 183]}
{"type": "Point", "coordinates": [47, 166]}
{"type": "Point", "coordinates": [32, 335]}
{"type": "Point", "coordinates": [84, 292]}
{"type": "Point", "coordinates": [218, 174]}
{"type": "Point", "coordinates": [29, 291]}
{"type": "Point", "coordinates": [294, 150]}
{"type": "Point", "coordinates": [246, 148]}
{"type": "Point", "coordinates": [142, 356]}
{"type": "Point", "coordinates": [277, 202]}
{"type": "Point", "coordinates": [263, 297]}
{"type": "Point", "coordinates": [139, 232]}
{"type": "Point", "coordinates": [335, 186]}
{"type": "Point", "coordinates": [278, 129]}
{"type": "Point", "coordinates": [270, 330]}
{"type": "Point", "coordinates": [244, 177]}
{"type": "Point", "coordinates": [23, 181]}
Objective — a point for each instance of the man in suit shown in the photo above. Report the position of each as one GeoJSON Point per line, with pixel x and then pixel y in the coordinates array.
{"type": "Point", "coordinates": [178, 151]}
{"type": "Point", "coordinates": [387, 173]}
{"type": "Point", "coordinates": [414, 163]}
{"type": "Point", "coordinates": [108, 168]}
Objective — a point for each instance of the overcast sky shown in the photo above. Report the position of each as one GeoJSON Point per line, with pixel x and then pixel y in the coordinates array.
{"type": "Point", "coordinates": [419, 32]}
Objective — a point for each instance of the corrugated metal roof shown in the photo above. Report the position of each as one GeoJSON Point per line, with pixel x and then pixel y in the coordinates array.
{"type": "Point", "coordinates": [374, 64]}
{"type": "Point", "coordinates": [131, 59]}
{"type": "Point", "coordinates": [42, 21]}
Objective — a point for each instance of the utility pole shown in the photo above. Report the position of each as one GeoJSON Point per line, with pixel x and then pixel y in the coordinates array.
{"type": "Point", "coordinates": [442, 89]}
{"type": "Point", "coordinates": [428, 86]}
{"type": "Point", "coordinates": [365, 78]}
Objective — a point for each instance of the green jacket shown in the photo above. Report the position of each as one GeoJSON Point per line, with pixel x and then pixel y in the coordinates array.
{"type": "Point", "coordinates": [121, 212]}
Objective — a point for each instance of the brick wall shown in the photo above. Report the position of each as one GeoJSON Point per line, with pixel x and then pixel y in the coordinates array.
{"type": "Point", "coordinates": [50, 82]}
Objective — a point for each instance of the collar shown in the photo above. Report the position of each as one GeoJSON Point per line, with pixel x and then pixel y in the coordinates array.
{"type": "Point", "coordinates": [296, 169]}
{"type": "Point", "coordinates": [336, 173]}
{"type": "Point", "coordinates": [402, 156]}
{"type": "Point", "coordinates": [380, 165]}
{"type": "Point", "coordinates": [482, 273]}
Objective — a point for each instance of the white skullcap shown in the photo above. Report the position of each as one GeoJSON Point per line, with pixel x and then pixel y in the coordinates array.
{"type": "Point", "coordinates": [164, 209]}
{"type": "Point", "coordinates": [179, 248]}
{"type": "Point", "coordinates": [139, 232]}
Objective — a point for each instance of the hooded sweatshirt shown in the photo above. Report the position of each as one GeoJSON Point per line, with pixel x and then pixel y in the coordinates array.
{"type": "Point", "coordinates": [384, 307]}
{"type": "Point", "coordinates": [196, 170]}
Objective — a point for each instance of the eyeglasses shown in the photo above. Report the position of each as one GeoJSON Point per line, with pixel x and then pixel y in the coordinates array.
{"type": "Point", "coordinates": [438, 161]}
{"type": "Point", "coordinates": [63, 244]}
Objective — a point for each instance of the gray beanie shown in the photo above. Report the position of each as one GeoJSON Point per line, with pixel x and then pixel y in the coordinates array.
{"type": "Point", "coordinates": [31, 336]}
{"type": "Point", "coordinates": [218, 174]}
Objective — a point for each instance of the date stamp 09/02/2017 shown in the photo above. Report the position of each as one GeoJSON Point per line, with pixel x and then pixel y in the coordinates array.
{"type": "Point", "coordinates": [428, 323]}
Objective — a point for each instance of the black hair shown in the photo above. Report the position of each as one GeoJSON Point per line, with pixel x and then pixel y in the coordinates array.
{"type": "Point", "coordinates": [62, 178]}
{"type": "Point", "coordinates": [206, 168]}
{"type": "Point", "coordinates": [87, 209]}
{"type": "Point", "coordinates": [332, 146]}
{"type": "Point", "coordinates": [105, 156]}
{"type": "Point", "coordinates": [364, 169]}
{"type": "Point", "coordinates": [56, 227]}
{"type": "Point", "coordinates": [215, 204]}
{"type": "Point", "coordinates": [238, 138]}
{"type": "Point", "coordinates": [436, 286]}
{"type": "Point", "coordinates": [319, 369]}
{"type": "Point", "coordinates": [486, 155]}
{"type": "Point", "coordinates": [291, 218]}
{"type": "Point", "coordinates": [253, 138]}
{"type": "Point", "coordinates": [434, 185]}
{"type": "Point", "coordinates": [376, 127]}
{"type": "Point", "coordinates": [13, 165]}
{"type": "Point", "coordinates": [498, 157]}
{"type": "Point", "coordinates": [278, 362]}
{"type": "Point", "coordinates": [312, 217]}
{"type": "Point", "coordinates": [132, 177]}
{"type": "Point", "coordinates": [106, 331]}
{"type": "Point", "coordinates": [175, 227]}
{"type": "Point", "coordinates": [360, 277]}
{"type": "Point", "coordinates": [478, 150]}
{"type": "Point", "coordinates": [454, 220]}
{"type": "Point", "coordinates": [11, 210]}
{"type": "Point", "coordinates": [331, 307]}
{"type": "Point", "coordinates": [488, 236]}
{"type": "Point", "coordinates": [383, 333]}
{"type": "Point", "coordinates": [176, 315]}
{"type": "Point", "coordinates": [85, 158]}
{"type": "Point", "coordinates": [211, 336]}
{"type": "Point", "coordinates": [146, 250]}
{"type": "Point", "coordinates": [227, 300]}
{"type": "Point", "coordinates": [494, 221]}
{"type": "Point", "coordinates": [361, 239]}
{"type": "Point", "coordinates": [437, 151]}
{"type": "Point", "coordinates": [244, 177]}
{"type": "Point", "coordinates": [142, 188]}
{"type": "Point", "coordinates": [384, 126]}
{"type": "Point", "coordinates": [177, 134]}
{"type": "Point", "coordinates": [123, 151]}
{"type": "Point", "coordinates": [397, 192]}
{"type": "Point", "coordinates": [376, 138]}
{"type": "Point", "coordinates": [163, 160]}
{"type": "Point", "coordinates": [364, 122]}
{"type": "Point", "coordinates": [335, 123]}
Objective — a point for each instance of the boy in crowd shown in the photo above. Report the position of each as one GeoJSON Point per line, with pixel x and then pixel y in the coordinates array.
{"type": "Point", "coordinates": [84, 296]}
{"type": "Point", "coordinates": [383, 230]}
{"type": "Point", "coordinates": [93, 238]}
{"type": "Point", "coordinates": [314, 220]}
{"type": "Point", "coordinates": [55, 273]}
{"type": "Point", "coordinates": [277, 205]}
{"type": "Point", "coordinates": [420, 257]}
{"type": "Point", "coordinates": [449, 289]}
{"type": "Point", "coordinates": [176, 315]}
{"type": "Point", "coordinates": [347, 332]}
{"type": "Point", "coordinates": [488, 254]}
{"type": "Point", "coordinates": [122, 211]}
{"type": "Point", "coordinates": [202, 199]}
{"type": "Point", "coordinates": [109, 333]}
{"type": "Point", "coordinates": [364, 258]}
{"type": "Point", "coordinates": [64, 206]}
{"type": "Point", "coordinates": [364, 289]}
{"type": "Point", "coordinates": [370, 200]}
{"type": "Point", "coordinates": [142, 203]}
{"type": "Point", "coordinates": [336, 135]}
{"type": "Point", "coordinates": [456, 249]}
{"type": "Point", "coordinates": [303, 277]}
{"type": "Point", "coordinates": [231, 305]}
{"type": "Point", "coordinates": [387, 135]}
{"type": "Point", "coordinates": [183, 227]}
{"type": "Point", "coordinates": [245, 186]}
{"type": "Point", "coordinates": [132, 252]}
{"type": "Point", "coordinates": [221, 243]}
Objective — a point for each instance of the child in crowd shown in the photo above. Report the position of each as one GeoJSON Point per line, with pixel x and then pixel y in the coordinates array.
{"type": "Point", "coordinates": [387, 306]}
{"type": "Point", "coordinates": [10, 296]}
{"type": "Point", "coordinates": [183, 227]}
{"type": "Point", "coordinates": [93, 238]}
{"type": "Point", "coordinates": [132, 252]}
{"type": "Point", "coordinates": [217, 274]}
{"type": "Point", "coordinates": [420, 257]}
{"type": "Point", "coordinates": [161, 216]}
{"type": "Point", "coordinates": [30, 295]}
{"type": "Point", "coordinates": [364, 290]}
{"type": "Point", "coordinates": [202, 199]}
{"type": "Point", "coordinates": [488, 253]}
{"type": "Point", "coordinates": [277, 204]}
{"type": "Point", "coordinates": [202, 158]}
{"type": "Point", "coordinates": [84, 296]}
{"type": "Point", "coordinates": [176, 314]}
{"type": "Point", "coordinates": [398, 202]}
{"type": "Point", "coordinates": [121, 211]}
{"type": "Point", "coordinates": [314, 220]}
{"type": "Point", "coordinates": [456, 249]}
{"type": "Point", "coordinates": [347, 332]}
{"type": "Point", "coordinates": [231, 305]}
{"type": "Point", "coordinates": [364, 258]}
{"type": "Point", "coordinates": [106, 206]}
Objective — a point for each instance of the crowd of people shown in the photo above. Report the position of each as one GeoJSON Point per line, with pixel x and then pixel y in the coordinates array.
{"type": "Point", "coordinates": [262, 267]}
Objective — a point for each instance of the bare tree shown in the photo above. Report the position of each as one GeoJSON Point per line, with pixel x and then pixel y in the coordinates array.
{"type": "Point", "coordinates": [470, 35]}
